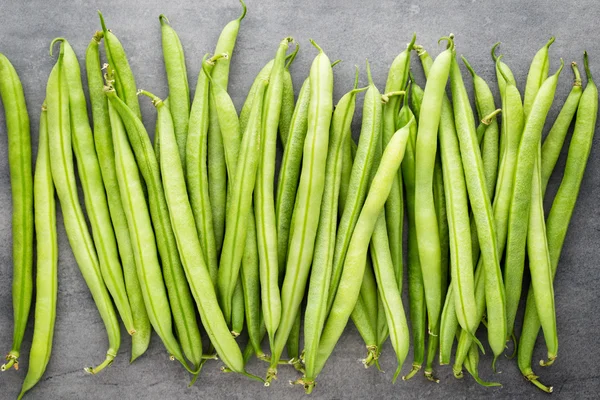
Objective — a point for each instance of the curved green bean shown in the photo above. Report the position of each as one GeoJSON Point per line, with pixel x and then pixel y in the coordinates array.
{"type": "Point", "coordinates": [538, 71]}
{"type": "Point", "coordinates": [46, 264]}
{"type": "Point", "coordinates": [21, 183]}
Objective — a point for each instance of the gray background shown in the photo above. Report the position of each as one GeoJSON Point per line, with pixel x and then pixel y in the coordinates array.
{"type": "Point", "coordinates": [352, 31]}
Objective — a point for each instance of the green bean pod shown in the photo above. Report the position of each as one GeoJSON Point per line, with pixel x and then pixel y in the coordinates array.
{"type": "Point", "coordinates": [425, 214]}
{"type": "Point", "coordinates": [63, 175]}
{"type": "Point", "coordinates": [124, 81]}
{"type": "Point", "coordinates": [539, 262]}
{"type": "Point", "coordinates": [106, 157]}
{"type": "Point", "coordinates": [289, 172]}
{"type": "Point", "coordinates": [472, 365]}
{"type": "Point", "coordinates": [180, 298]}
{"type": "Point", "coordinates": [560, 215]}
{"type": "Point", "coordinates": [416, 294]}
{"type": "Point", "coordinates": [320, 276]}
{"type": "Point", "coordinates": [196, 270]}
{"type": "Point", "coordinates": [482, 211]}
{"type": "Point", "coordinates": [354, 264]}
{"type": "Point", "coordinates": [287, 100]}
{"type": "Point", "coordinates": [305, 219]}
{"type": "Point", "coordinates": [93, 188]}
{"type": "Point", "coordinates": [394, 209]}
{"type": "Point", "coordinates": [359, 182]}
{"type": "Point", "coordinates": [141, 233]}
{"type": "Point", "coordinates": [179, 90]}
{"type": "Point", "coordinates": [21, 183]}
{"type": "Point", "coordinates": [46, 264]}
{"type": "Point", "coordinates": [237, 309]}
{"type": "Point", "coordinates": [553, 142]}
{"type": "Point", "coordinates": [521, 196]}
{"type": "Point", "coordinates": [389, 292]}
{"type": "Point", "coordinates": [538, 71]}
{"type": "Point", "coordinates": [264, 202]}
{"type": "Point", "coordinates": [504, 76]}
{"type": "Point", "coordinates": [196, 171]}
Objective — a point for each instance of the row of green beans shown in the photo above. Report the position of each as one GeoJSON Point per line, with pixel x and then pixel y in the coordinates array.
{"type": "Point", "coordinates": [196, 222]}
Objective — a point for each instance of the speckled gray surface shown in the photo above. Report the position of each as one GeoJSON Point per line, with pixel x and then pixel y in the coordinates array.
{"type": "Point", "coordinates": [352, 31]}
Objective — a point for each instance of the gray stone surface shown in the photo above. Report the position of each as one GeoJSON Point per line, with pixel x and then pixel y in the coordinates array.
{"type": "Point", "coordinates": [352, 31]}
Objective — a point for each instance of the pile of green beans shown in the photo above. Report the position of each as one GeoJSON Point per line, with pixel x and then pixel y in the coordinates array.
{"type": "Point", "coordinates": [201, 222]}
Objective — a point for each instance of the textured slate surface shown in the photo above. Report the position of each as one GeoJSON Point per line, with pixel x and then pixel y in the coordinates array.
{"type": "Point", "coordinates": [352, 31]}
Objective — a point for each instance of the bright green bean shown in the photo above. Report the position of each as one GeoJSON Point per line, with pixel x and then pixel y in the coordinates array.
{"type": "Point", "coordinates": [264, 203]}
{"type": "Point", "coordinates": [46, 264]}
{"type": "Point", "coordinates": [538, 71]}
{"type": "Point", "coordinates": [21, 183]}
{"type": "Point", "coordinates": [287, 100]}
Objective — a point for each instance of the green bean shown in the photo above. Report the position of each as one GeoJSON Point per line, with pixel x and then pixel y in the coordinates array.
{"type": "Point", "coordinates": [196, 165]}
{"type": "Point", "coordinates": [63, 175]}
{"type": "Point", "coordinates": [266, 228]}
{"type": "Point", "coordinates": [179, 91]}
{"type": "Point", "coordinates": [448, 327]}
{"type": "Point", "coordinates": [289, 173]}
{"type": "Point", "coordinates": [123, 76]}
{"type": "Point", "coordinates": [556, 137]}
{"type": "Point", "coordinates": [320, 276]}
{"type": "Point", "coordinates": [180, 298]}
{"type": "Point", "coordinates": [482, 212]}
{"type": "Point", "coordinates": [354, 263]}
{"type": "Point", "coordinates": [46, 264]}
{"type": "Point", "coordinates": [21, 183]}
{"type": "Point", "coordinates": [539, 262]}
{"type": "Point", "coordinates": [538, 71]}
{"type": "Point", "coordinates": [93, 188]}
{"type": "Point", "coordinates": [522, 195]}
{"type": "Point", "coordinates": [293, 343]}
{"type": "Point", "coordinates": [359, 181]}
{"type": "Point", "coordinates": [305, 218]}
{"type": "Point", "coordinates": [418, 313]}
{"type": "Point", "coordinates": [106, 157]}
{"type": "Point", "coordinates": [560, 214]}
{"type": "Point", "coordinates": [389, 292]}
{"type": "Point", "coordinates": [189, 247]}
{"type": "Point", "coordinates": [369, 320]}
{"type": "Point", "coordinates": [217, 174]}
{"type": "Point", "coordinates": [394, 209]}
{"type": "Point", "coordinates": [425, 214]}
{"type": "Point", "coordinates": [141, 233]}
{"type": "Point", "coordinates": [242, 157]}
{"type": "Point", "coordinates": [287, 99]}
